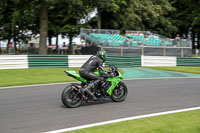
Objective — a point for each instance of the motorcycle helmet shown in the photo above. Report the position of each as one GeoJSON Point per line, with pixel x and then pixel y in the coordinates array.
{"type": "Point", "coordinates": [102, 54]}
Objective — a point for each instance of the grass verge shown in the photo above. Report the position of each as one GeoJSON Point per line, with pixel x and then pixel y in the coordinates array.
{"type": "Point", "coordinates": [185, 122]}
{"type": "Point", "coordinates": [15, 77]}
{"type": "Point", "coordinates": [185, 69]}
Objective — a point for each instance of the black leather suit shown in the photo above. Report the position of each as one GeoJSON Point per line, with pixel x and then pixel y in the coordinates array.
{"type": "Point", "coordinates": [86, 71]}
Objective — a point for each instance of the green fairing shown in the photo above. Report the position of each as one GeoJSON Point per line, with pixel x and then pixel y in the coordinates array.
{"type": "Point", "coordinates": [114, 80]}
{"type": "Point", "coordinates": [76, 76]}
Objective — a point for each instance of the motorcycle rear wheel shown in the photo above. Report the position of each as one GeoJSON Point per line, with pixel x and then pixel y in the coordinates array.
{"type": "Point", "coordinates": [71, 98]}
{"type": "Point", "coordinates": [119, 93]}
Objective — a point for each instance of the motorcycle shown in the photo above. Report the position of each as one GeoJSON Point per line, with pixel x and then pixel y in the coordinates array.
{"type": "Point", "coordinates": [73, 95]}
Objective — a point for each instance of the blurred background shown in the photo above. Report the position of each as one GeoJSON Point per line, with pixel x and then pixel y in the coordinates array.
{"type": "Point", "coordinates": [150, 27]}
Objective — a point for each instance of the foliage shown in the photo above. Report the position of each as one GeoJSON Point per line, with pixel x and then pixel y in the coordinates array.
{"type": "Point", "coordinates": [20, 19]}
{"type": "Point", "coordinates": [16, 21]}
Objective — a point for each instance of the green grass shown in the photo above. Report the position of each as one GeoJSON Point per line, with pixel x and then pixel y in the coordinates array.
{"type": "Point", "coordinates": [185, 122]}
{"type": "Point", "coordinates": [14, 77]}
{"type": "Point", "coordinates": [185, 69]}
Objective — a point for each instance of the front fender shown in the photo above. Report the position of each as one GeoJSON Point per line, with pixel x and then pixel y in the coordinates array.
{"type": "Point", "coordinates": [114, 82]}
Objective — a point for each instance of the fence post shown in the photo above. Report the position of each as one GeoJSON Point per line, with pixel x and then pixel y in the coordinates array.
{"type": "Point", "coordinates": [121, 51]}
{"type": "Point", "coordinates": [181, 52]}
{"type": "Point", "coordinates": [164, 52]}
{"type": "Point", "coordinates": [142, 50]}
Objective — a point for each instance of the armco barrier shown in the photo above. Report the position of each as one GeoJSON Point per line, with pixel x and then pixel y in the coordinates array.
{"type": "Point", "coordinates": [63, 61]}
{"type": "Point", "coordinates": [188, 61]}
{"type": "Point", "coordinates": [123, 61]}
{"type": "Point", "coordinates": [13, 61]}
{"type": "Point", "coordinates": [77, 60]}
{"type": "Point", "coordinates": [48, 61]}
{"type": "Point", "coordinates": [158, 61]}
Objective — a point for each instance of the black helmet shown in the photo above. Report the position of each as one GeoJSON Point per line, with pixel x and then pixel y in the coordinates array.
{"type": "Point", "coordinates": [102, 54]}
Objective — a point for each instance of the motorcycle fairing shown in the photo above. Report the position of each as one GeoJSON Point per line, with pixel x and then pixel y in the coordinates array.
{"type": "Point", "coordinates": [114, 82]}
{"type": "Point", "coordinates": [75, 75]}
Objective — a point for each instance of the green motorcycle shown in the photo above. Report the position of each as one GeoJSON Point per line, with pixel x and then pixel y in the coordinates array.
{"type": "Point", "coordinates": [113, 87]}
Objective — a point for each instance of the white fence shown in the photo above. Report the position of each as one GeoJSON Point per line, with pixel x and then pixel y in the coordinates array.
{"type": "Point", "coordinates": [77, 60]}
{"type": "Point", "coordinates": [158, 61]}
{"type": "Point", "coordinates": [13, 61]}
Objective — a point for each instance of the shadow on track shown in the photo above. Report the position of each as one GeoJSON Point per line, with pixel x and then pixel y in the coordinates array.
{"type": "Point", "coordinates": [99, 102]}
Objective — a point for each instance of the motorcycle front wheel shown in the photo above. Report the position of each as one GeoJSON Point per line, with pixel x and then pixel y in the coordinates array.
{"type": "Point", "coordinates": [71, 98]}
{"type": "Point", "coordinates": [119, 93]}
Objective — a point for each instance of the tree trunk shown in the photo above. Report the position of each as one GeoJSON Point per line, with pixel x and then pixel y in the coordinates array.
{"type": "Point", "coordinates": [57, 43]}
{"type": "Point", "coordinates": [14, 41]}
{"type": "Point", "coordinates": [9, 38]}
{"type": "Point", "coordinates": [198, 41]}
{"type": "Point", "coordinates": [49, 38]}
{"type": "Point", "coordinates": [99, 19]}
{"type": "Point", "coordinates": [43, 27]}
{"type": "Point", "coordinates": [70, 47]}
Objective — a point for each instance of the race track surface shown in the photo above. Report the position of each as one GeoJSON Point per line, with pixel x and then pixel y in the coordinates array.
{"type": "Point", "coordinates": [39, 108]}
{"type": "Point", "coordinates": [139, 72]}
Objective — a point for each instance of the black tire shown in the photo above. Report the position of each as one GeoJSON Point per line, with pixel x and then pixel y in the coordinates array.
{"type": "Point", "coordinates": [71, 98]}
{"type": "Point", "coordinates": [119, 93]}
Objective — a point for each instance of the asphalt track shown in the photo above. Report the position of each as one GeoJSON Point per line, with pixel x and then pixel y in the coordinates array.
{"type": "Point", "coordinates": [39, 108]}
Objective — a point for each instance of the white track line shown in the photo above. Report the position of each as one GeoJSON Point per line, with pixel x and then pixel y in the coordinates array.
{"type": "Point", "coordinates": [123, 119]}
{"type": "Point", "coordinates": [2, 88]}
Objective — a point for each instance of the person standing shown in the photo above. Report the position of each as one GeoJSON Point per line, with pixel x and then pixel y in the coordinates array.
{"type": "Point", "coordinates": [177, 40]}
{"type": "Point", "coordinates": [188, 41]}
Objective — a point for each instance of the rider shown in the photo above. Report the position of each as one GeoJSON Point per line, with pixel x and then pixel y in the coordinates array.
{"type": "Point", "coordinates": [87, 69]}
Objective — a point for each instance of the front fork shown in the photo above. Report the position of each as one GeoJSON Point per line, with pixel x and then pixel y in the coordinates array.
{"type": "Point", "coordinates": [114, 83]}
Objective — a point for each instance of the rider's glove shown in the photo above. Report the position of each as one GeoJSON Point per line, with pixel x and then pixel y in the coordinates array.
{"type": "Point", "coordinates": [112, 75]}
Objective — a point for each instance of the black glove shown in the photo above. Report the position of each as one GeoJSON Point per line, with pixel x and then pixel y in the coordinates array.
{"type": "Point", "coordinates": [112, 75]}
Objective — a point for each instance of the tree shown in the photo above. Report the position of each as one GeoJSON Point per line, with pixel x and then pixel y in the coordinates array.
{"type": "Point", "coordinates": [43, 27]}
{"type": "Point", "coordinates": [65, 18]}
{"type": "Point", "coordinates": [186, 18]}
{"type": "Point", "coordinates": [149, 15]}
{"type": "Point", "coordinates": [104, 6]}
{"type": "Point", "coordinates": [17, 19]}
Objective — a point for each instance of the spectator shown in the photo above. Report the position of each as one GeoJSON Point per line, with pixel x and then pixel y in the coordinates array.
{"type": "Point", "coordinates": [141, 34]}
{"type": "Point", "coordinates": [64, 45]}
{"type": "Point", "coordinates": [99, 41]}
{"type": "Point", "coordinates": [131, 42]}
{"type": "Point", "coordinates": [147, 36]}
{"type": "Point", "coordinates": [138, 34]}
{"type": "Point", "coordinates": [177, 37]}
{"type": "Point", "coordinates": [163, 43]}
{"type": "Point", "coordinates": [94, 31]}
{"type": "Point", "coordinates": [108, 33]}
{"type": "Point", "coordinates": [135, 34]}
{"type": "Point", "coordinates": [106, 42]}
{"type": "Point", "coordinates": [188, 41]}
{"type": "Point", "coordinates": [177, 40]}
{"type": "Point", "coordinates": [126, 42]}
